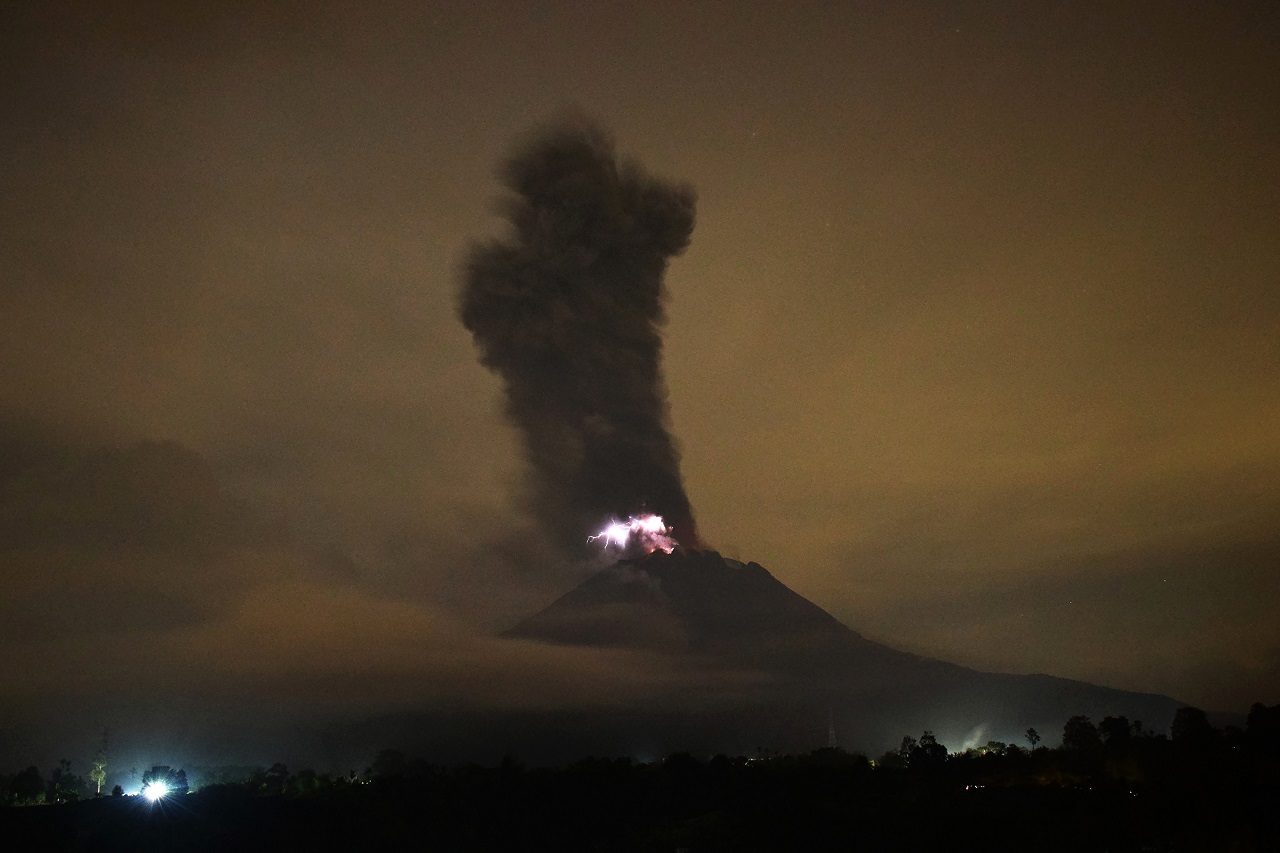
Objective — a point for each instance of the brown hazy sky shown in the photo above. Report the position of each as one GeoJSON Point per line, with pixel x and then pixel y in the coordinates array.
{"type": "Point", "coordinates": [977, 343]}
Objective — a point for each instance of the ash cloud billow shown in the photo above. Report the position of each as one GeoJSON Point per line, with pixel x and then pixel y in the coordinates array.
{"type": "Point", "coordinates": [567, 308]}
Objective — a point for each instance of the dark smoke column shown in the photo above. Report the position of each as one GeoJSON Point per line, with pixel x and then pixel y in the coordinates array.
{"type": "Point", "coordinates": [567, 309]}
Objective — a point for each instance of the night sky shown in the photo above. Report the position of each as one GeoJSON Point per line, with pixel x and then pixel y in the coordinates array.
{"type": "Point", "coordinates": [976, 343]}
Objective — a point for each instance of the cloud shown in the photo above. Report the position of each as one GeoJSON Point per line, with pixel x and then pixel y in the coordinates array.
{"type": "Point", "coordinates": [123, 539]}
{"type": "Point", "coordinates": [142, 596]}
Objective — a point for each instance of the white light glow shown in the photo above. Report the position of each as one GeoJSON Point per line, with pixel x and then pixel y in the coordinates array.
{"type": "Point", "coordinates": [155, 790]}
{"type": "Point", "coordinates": [649, 532]}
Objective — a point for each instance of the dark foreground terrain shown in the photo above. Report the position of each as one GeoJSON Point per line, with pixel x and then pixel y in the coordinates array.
{"type": "Point", "coordinates": [1143, 794]}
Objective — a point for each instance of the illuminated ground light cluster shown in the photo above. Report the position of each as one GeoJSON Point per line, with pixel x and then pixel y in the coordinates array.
{"type": "Point", "coordinates": [155, 791]}
{"type": "Point", "coordinates": [648, 533]}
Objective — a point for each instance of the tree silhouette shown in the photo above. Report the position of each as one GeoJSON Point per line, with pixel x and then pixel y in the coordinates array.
{"type": "Point", "coordinates": [28, 786]}
{"type": "Point", "coordinates": [1080, 734]}
{"type": "Point", "coordinates": [272, 780]}
{"type": "Point", "coordinates": [64, 786]}
{"type": "Point", "coordinates": [1033, 737]}
{"type": "Point", "coordinates": [1191, 726]}
{"type": "Point", "coordinates": [98, 767]}
{"type": "Point", "coordinates": [1263, 720]}
{"type": "Point", "coordinates": [1263, 725]}
{"type": "Point", "coordinates": [1115, 731]}
{"type": "Point", "coordinates": [926, 752]}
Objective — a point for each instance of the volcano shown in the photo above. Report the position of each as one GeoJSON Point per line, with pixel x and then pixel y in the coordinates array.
{"type": "Point", "coordinates": [794, 669]}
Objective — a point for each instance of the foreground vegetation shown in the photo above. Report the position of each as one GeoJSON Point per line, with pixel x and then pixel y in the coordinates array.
{"type": "Point", "coordinates": [1110, 787]}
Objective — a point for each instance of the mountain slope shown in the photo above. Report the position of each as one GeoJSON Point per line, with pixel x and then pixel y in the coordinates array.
{"type": "Point", "coordinates": [734, 617]}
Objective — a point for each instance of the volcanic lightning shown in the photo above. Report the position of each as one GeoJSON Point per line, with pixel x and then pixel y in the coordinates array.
{"type": "Point", "coordinates": [648, 533]}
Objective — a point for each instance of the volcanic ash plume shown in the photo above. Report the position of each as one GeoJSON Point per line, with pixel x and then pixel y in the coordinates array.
{"type": "Point", "coordinates": [567, 309]}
